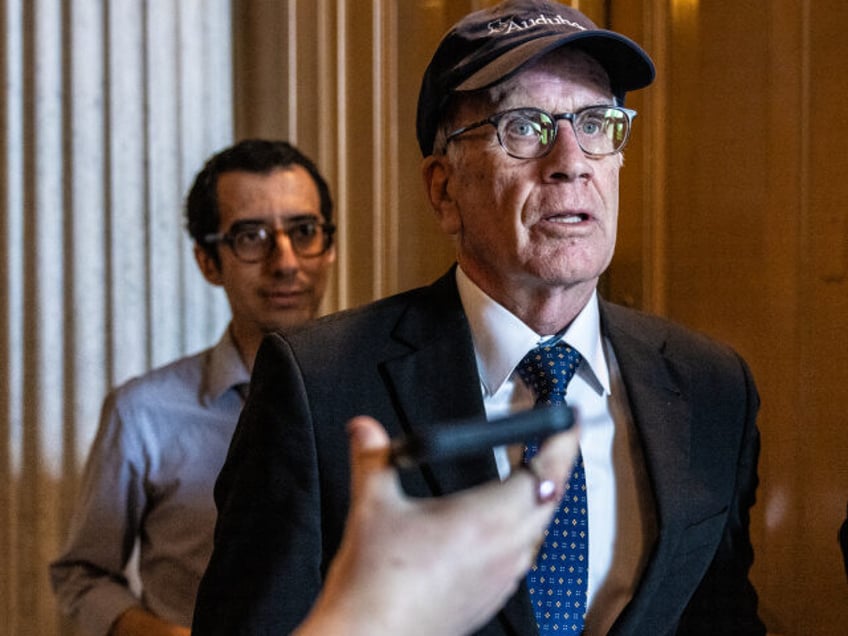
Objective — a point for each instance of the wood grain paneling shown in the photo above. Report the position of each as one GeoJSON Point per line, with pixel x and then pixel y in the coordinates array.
{"type": "Point", "coordinates": [756, 252]}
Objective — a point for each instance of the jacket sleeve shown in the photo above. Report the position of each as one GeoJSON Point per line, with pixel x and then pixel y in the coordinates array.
{"type": "Point", "coordinates": [725, 602]}
{"type": "Point", "coordinates": [265, 569]}
{"type": "Point", "coordinates": [843, 543]}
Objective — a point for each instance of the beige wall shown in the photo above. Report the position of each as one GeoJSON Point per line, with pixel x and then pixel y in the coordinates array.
{"type": "Point", "coordinates": [733, 213]}
{"type": "Point", "coordinates": [756, 252]}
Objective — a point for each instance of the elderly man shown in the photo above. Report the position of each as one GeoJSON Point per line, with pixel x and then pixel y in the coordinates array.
{"type": "Point", "coordinates": [522, 126]}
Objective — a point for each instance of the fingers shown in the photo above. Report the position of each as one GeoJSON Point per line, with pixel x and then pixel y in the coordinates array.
{"type": "Point", "coordinates": [366, 434]}
{"type": "Point", "coordinates": [371, 468]}
{"type": "Point", "coordinates": [554, 460]}
{"type": "Point", "coordinates": [546, 489]}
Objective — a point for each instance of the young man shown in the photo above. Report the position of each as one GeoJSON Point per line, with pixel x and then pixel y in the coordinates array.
{"type": "Point", "coordinates": [261, 218]}
{"type": "Point", "coordinates": [522, 127]}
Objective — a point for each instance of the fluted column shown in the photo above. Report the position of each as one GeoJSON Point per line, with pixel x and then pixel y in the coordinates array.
{"type": "Point", "coordinates": [109, 107]}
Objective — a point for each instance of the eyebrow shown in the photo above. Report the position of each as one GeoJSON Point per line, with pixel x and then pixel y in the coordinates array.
{"type": "Point", "coordinates": [290, 220]}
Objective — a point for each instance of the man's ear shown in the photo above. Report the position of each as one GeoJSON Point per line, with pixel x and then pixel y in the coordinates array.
{"type": "Point", "coordinates": [209, 267]}
{"type": "Point", "coordinates": [437, 173]}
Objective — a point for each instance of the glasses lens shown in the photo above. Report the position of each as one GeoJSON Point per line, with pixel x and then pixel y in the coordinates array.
{"type": "Point", "coordinates": [526, 133]}
{"type": "Point", "coordinates": [602, 130]}
{"type": "Point", "coordinates": [251, 242]}
{"type": "Point", "coordinates": [307, 238]}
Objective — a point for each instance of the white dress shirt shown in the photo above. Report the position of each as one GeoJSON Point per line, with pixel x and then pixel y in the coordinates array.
{"type": "Point", "coordinates": [620, 506]}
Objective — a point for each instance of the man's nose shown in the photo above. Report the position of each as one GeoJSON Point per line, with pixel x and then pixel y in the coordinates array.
{"type": "Point", "coordinates": [282, 254]}
{"type": "Point", "coordinates": [567, 161]}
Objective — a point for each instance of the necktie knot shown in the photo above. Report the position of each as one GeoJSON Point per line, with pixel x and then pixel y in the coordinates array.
{"type": "Point", "coordinates": [548, 369]}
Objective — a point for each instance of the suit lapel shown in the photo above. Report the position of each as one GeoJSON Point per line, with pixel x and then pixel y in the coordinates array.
{"type": "Point", "coordinates": [657, 397]}
{"type": "Point", "coordinates": [657, 390]}
{"type": "Point", "coordinates": [434, 379]}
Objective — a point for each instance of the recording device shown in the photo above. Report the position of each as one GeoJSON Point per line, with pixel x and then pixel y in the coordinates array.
{"type": "Point", "coordinates": [461, 438]}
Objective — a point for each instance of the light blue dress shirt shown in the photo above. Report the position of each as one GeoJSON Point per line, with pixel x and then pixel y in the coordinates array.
{"type": "Point", "coordinates": [149, 478]}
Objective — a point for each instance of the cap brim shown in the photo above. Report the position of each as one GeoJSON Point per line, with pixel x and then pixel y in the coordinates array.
{"type": "Point", "coordinates": [628, 66]}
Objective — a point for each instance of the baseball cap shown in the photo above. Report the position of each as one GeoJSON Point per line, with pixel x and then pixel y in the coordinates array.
{"type": "Point", "coordinates": [491, 45]}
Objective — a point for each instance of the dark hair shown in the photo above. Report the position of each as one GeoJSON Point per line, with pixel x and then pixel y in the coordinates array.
{"type": "Point", "coordinates": [251, 155]}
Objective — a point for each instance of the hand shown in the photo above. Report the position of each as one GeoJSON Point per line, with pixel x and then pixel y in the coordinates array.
{"type": "Point", "coordinates": [433, 566]}
{"type": "Point", "coordinates": [137, 621]}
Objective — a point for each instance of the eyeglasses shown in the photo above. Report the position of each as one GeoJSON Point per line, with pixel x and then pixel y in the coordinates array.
{"type": "Point", "coordinates": [530, 133]}
{"type": "Point", "coordinates": [254, 241]}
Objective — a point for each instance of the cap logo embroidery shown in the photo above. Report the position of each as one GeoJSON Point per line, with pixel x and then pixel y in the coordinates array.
{"type": "Point", "coordinates": [504, 26]}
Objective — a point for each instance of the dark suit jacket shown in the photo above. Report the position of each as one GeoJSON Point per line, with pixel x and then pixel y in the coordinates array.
{"type": "Point", "coordinates": [409, 362]}
{"type": "Point", "coordinates": [843, 543]}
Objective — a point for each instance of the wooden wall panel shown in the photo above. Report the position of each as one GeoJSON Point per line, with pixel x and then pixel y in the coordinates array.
{"type": "Point", "coordinates": [352, 109]}
{"type": "Point", "coordinates": [823, 471]}
{"type": "Point", "coordinates": [755, 252]}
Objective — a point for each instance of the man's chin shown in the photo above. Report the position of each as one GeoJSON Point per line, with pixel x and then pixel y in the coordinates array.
{"type": "Point", "coordinates": [286, 319]}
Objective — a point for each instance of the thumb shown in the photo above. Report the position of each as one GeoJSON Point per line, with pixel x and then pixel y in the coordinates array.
{"type": "Point", "coordinates": [369, 451]}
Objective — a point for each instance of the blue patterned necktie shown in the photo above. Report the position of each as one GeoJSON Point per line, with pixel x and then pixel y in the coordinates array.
{"type": "Point", "coordinates": [557, 581]}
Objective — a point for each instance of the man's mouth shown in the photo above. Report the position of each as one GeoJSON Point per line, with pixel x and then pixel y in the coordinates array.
{"type": "Point", "coordinates": [577, 217]}
{"type": "Point", "coordinates": [284, 297]}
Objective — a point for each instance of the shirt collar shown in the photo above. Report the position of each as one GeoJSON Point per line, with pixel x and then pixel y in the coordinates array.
{"type": "Point", "coordinates": [224, 370]}
{"type": "Point", "coordinates": [501, 339]}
